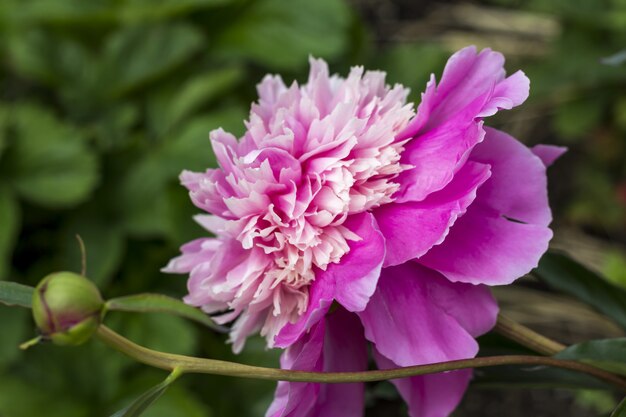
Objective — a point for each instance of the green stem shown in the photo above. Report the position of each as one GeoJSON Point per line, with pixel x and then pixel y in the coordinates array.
{"type": "Point", "coordinates": [187, 364]}
{"type": "Point", "coordinates": [527, 337]}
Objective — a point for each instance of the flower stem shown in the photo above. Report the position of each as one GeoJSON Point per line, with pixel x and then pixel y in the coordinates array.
{"type": "Point", "coordinates": [527, 337]}
{"type": "Point", "coordinates": [187, 364]}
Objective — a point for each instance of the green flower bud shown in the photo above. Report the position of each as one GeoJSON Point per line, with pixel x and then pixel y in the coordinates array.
{"type": "Point", "coordinates": [67, 308]}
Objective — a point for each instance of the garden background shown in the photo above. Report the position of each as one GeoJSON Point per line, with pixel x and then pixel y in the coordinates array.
{"type": "Point", "coordinates": [104, 102]}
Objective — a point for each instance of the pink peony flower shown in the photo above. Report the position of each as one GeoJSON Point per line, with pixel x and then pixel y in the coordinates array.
{"type": "Point", "coordinates": [339, 192]}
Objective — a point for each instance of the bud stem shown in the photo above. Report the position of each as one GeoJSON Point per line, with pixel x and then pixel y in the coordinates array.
{"type": "Point", "coordinates": [187, 364]}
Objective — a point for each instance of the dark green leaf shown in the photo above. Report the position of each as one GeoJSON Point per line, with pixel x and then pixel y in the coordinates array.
{"type": "Point", "coordinates": [14, 294]}
{"type": "Point", "coordinates": [139, 405]}
{"type": "Point", "coordinates": [535, 377]}
{"type": "Point", "coordinates": [137, 55]}
{"type": "Point", "coordinates": [281, 34]}
{"type": "Point", "coordinates": [150, 303]}
{"type": "Point", "coordinates": [10, 221]}
{"type": "Point", "coordinates": [568, 276]}
{"type": "Point", "coordinates": [608, 354]}
{"type": "Point", "coordinates": [620, 411]}
{"type": "Point", "coordinates": [50, 163]}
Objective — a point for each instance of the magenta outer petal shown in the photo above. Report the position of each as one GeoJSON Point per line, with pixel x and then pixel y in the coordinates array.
{"type": "Point", "coordinates": [436, 156]}
{"type": "Point", "coordinates": [336, 345]}
{"type": "Point", "coordinates": [406, 323]}
{"type": "Point", "coordinates": [548, 153]}
{"type": "Point", "coordinates": [447, 125]}
{"type": "Point", "coordinates": [434, 395]}
{"type": "Point", "coordinates": [518, 186]}
{"type": "Point", "coordinates": [351, 282]}
{"type": "Point", "coordinates": [345, 350]}
{"type": "Point", "coordinates": [411, 229]}
{"type": "Point", "coordinates": [416, 317]}
{"type": "Point", "coordinates": [357, 274]}
{"type": "Point", "coordinates": [295, 399]}
{"type": "Point", "coordinates": [504, 232]}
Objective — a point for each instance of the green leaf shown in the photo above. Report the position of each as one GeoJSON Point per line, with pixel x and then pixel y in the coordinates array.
{"type": "Point", "coordinates": [156, 330]}
{"type": "Point", "coordinates": [13, 333]}
{"type": "Point", "coordinates": [569, 277]}
{"type": "Point", "coordinates": [141, 404]}
{"type": "Point", "coordinates": [169, 108]}
{"type": "Point", "coordinates": [14, 294]}
{"type": "Point", "coordinates": [151, 303]}
{"type": "Point", "coordinates": [22, 398]}
{"type": "Point", "coordinates": [138, 10]}
{"type": "Point", "coordinates": [282, 34]}
{"type": "Point", "coordinates": [50, 163]}
{"type": "Point", "coordinates": [620, 411]}
{"type": "Point", "coordinates": [10, 221]}
{"type": "Point", "coordinates": [608, 354]}
{"type": "Point", "coordinates": [4, 118]}
{"type": "Point", "coordinates": [137, 55]}
{"type": "Point", "coordinates": [51, 59]}
{"type": "Point", "coordinates": [535, 377]}
{"type": "Point", "coordinates": [146, 210]}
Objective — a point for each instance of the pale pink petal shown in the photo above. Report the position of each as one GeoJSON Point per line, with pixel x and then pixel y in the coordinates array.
{"type": "Point", "coordinates": [411, 229]}
{"type": "Point", "coordinates": [351, 282]}
{"type": "Point", "coordinates": [321, 294]}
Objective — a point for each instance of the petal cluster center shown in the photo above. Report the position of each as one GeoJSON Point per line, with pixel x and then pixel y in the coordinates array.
{"type": "Point", "coordinates": [312, 156]}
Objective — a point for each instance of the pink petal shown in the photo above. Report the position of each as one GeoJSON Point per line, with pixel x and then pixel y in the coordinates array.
{"type": "Point", "coordinates": [321, 294]}
{"type": "Point", "coordinates": [548, 153]}
{"type": "Point", "coordinates": [517, 188]}
{"type": "Point", "coordinates": [297, 398]}
{"type": "Point", "coordinates": [411, 229]}
{"type": "Point", "coordinates": [446, 126]}
{"type": "Point", "coordinates": [351, 282]}
{"type": "Point", "coordinates": [504, 233]}
{"type": "Point", "coordinates": [435, 395]}
{"type": "Point", "coordinates": [436, 155]}
{"type": "Point", "coordinates": [341, 348]}
{"type": "Point", "coordinates": [406, 323]}
{"type": "Point", "coordinates": [356, 275]}
{"type": "Point", "coordinates": [345, 350]}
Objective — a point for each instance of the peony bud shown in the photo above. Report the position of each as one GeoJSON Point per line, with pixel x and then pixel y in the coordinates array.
{"type": "Point", "coordinates": [67, 308]}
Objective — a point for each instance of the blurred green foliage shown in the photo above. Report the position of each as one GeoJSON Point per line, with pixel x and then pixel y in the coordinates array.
{"type": "Point", "coordinates": [104, 102]}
